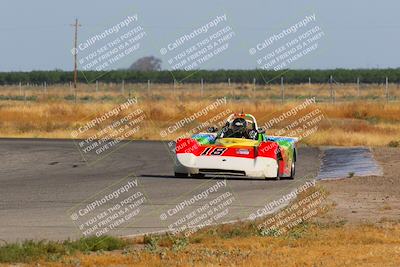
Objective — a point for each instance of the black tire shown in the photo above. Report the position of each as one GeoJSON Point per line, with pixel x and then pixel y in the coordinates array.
{"type": "Point", "coordinates": [277, 178]}
{"type": "Point", "coordinates": [278, 159]}
{"type": "Point", "coordinates": [293, 167]}
{"type": "Point", "coordinates": [198, 175]}
{"type": "Point", "coordinates": [181, 175]}
{"type": "Point", "coordinates": [292, 170]}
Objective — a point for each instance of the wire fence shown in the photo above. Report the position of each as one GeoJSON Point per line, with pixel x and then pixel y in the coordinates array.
{"type": "Point", "coordinates": [331, 91]}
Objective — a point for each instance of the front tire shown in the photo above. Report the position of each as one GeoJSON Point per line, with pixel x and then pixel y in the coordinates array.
{"type": "Point", "coordinates": [198, 175]}
{"type": "Point", "coordinates": [181, 175]}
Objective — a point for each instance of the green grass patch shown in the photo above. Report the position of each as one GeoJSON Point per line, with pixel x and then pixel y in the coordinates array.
{"type": "Point", "coordinates": [69, 97]}
{"type": "Point", "coordinates": [29, 251]}
{"type": "Point", "coordinates": [18, 97]}
{"type": "Point", "coordinates": [106, 98]}
{"type": "Point", "coordinates": [86, 98]}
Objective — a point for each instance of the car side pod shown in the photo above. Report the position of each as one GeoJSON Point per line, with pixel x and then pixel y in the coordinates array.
{"type": "Point", "coordinates": [270, 149]}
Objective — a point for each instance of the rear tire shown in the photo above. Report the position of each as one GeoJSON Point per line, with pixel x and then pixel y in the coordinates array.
{"type": "Point", "coordinates": [181, 175]}
{"type": "Point", "coordinates": [277, 178]}
{"type": "Point", "coordinates": [292, 171]}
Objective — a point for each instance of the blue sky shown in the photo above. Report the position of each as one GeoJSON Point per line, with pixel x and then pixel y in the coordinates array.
{"type": "Point", "coordinates": [36, 35]}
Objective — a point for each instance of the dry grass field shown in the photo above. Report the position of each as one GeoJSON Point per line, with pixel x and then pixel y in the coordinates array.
{"type": "Point", "coordinates": [309, 244]}
{"type": "Point", "coordinates": [313, 245]}
{"type": "Point", "coordinates": [357, 116]}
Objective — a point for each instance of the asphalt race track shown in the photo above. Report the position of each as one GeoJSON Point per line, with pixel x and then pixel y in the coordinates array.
{"type": "Point", "coordinates": [43, 182]}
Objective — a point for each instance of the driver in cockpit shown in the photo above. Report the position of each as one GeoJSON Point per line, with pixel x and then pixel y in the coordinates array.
{"type": "Point", "coordinates": [236, 129]}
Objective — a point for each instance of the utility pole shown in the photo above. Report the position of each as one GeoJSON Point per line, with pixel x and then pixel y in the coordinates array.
{"type": "Point", "coordinates": [387, 89]}
{"type": "Point", "coordinates": [174, 85]}
{"type": "Point", "coordinates": [331, 88]}
{"type": "Point", "coordinates": [254, 87]}
{"type": "Point", "coordinates": [76, 25]}
{"type": "Point", "coordinates": [202, 86]}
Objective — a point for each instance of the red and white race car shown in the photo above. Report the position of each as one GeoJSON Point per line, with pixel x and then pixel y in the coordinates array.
{"type": "Point", "coordinates": [239, 148]}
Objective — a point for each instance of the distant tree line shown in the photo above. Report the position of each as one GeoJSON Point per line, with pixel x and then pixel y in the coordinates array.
{"type": "Point", "coordinates": [215, 76]}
